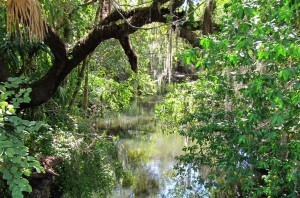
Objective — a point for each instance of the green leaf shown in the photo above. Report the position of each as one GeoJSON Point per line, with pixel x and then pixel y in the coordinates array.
{"type": "Point", "coordinates": [243, 139]}
{"type": "Point", "coordinates": [188, 60]}
{"type": "Point", "coordinates": [280, 50]}
{"type": "Point", "coordinates": [286, 74]}
{"type": "Point", "coordinates": [205, 43]}
{"type": "Point", "coordinates": [6, 144]}
{"type": "Point", "coordinates": [20, 128]}
{"type": "Point", "coordinates": [7, 175]}
{"type": "Point", "coordinates": [10, 152]}
{"type": "Point", "coordinates": [263, 164]}
{"type": "Point", "coordinates": [3, 104]}
{"type": "Point", "coordinates": [279, 102]}
{"type": "Point", "coordinates": [277, 119]}
{"type": "Point", "coordinates": [17, 160]}
{"type": "Point", "coordinates": [14, 170]}
{"type": "Point", "coordinates": [26, 123]}
{"type": "Point", "coordinates": [27, 172]}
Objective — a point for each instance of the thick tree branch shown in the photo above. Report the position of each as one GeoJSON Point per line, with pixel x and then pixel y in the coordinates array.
{"type": "Point", "coordinates": [113, 30]}
{"type": "Point", "coordinates": [111, 27]}
{"type": "Point", "coordinates": [4, 71]}
{"type": "Point", "coordinates": [132, 58]}
{"type": "Point", "coordinates": [155, 9]}
{"type": "Point", "coordinates": [86, 3]}
{"type": "Point", "coordinates": [190, 36]}
{"type": "Point", "coordinates": [56, 45]}
{"type": "Point", "coordinates": [43, 89]}
{"type": "Point", "coordinates": [188, 32]}
{"type": "Point", "coordinates": [207, 25]}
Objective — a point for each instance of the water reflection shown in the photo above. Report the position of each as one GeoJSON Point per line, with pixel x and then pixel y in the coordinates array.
{"type": "Point", "coordinates": [149, 157]}
{"type": "Point", "coordinates": [155, 155]}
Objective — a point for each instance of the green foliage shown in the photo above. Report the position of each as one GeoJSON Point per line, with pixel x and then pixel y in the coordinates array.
{"type": "Point", "coordinates": [177, 106]}
{"type": "Point", "coordinates": [15, 162]}
{"type": "Point", "coordinates": [145, 183]}
{"type": "Point", "coordinates": [245, 125]}
{"type": "Point", "coordinates": [72, 19]}
{"type": "Point", "coordinates": [127, 179]}
{"type": "Point", "coordinates": [90, 168]}
{"type": "Point", "coordinates": [143, 85]}
{"type": "Point", "coordinates": [108, 95]}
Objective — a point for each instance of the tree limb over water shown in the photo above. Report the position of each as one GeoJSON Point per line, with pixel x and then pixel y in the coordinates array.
{"type": "Point", "coordinates": [118, 24]}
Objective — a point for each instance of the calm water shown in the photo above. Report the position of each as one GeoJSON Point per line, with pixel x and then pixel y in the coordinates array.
{"type": "Point", "coordinates": [158, 158]}
{"type": "Point", "coordinates": [149, 155]}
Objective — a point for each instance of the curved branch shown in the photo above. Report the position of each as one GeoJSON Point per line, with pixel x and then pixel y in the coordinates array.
{"type": "Point", "coordinates": [190, 36]}
{"type": "Point", "coordinates": [187, 32]}
{"type": "Point", "coordinates": [63, 63]}
{"type": "Point", "coordinates": [132, 58]}
{"type": "Point", "coordinates": [43, 89]}
{"type": "Point", "coordinates": [104, 32]}
{"type": "Point", "coordinates": [56, 45]}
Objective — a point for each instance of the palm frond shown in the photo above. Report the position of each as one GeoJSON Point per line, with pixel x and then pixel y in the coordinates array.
{"type": "Point", "coordinates": [25, 17]}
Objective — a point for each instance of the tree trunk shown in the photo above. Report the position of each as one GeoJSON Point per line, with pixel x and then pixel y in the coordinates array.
{"type": "Point", "coordinates": [208, 22]}
{"type": "Point", "coordinates": [79, 82]}
{"type": "Point", "coordinates": [86, 87]}
{"type": "Point", "coordinates": [4, 72]}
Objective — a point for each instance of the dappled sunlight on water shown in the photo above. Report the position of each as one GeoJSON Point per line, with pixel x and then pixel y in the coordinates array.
{"type": "Point", "coordinates": [148, 155]}
{"type": "Point", "coordinates": [154, 153]}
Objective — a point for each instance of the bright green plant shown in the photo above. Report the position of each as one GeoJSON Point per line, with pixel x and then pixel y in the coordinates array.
{"type": "Point", "coordinates": [247, 130]}
{"type": "Point", "coordinates": [91, 168]}
{"type": "Point", "coordinates": [15, 163]}
{"type": "Point", "coordinates": [179, 104]}
{"type": "Point", "coordinates": [109, 96]}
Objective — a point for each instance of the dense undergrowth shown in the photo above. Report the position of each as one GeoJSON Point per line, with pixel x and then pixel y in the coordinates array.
{"type": "Point", "coordinates": [242, 115]}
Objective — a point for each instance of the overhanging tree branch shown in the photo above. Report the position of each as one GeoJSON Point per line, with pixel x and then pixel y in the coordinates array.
{"type": "Point", "coordinates": [104, 32]}
{"type": "Point", "coordinates": [111, 27]}
{"type": "Point", "coordinates": [132, 58]}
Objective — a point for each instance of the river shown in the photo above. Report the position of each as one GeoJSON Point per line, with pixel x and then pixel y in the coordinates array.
{"type": "Point", "coordinates": [148, 155]}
